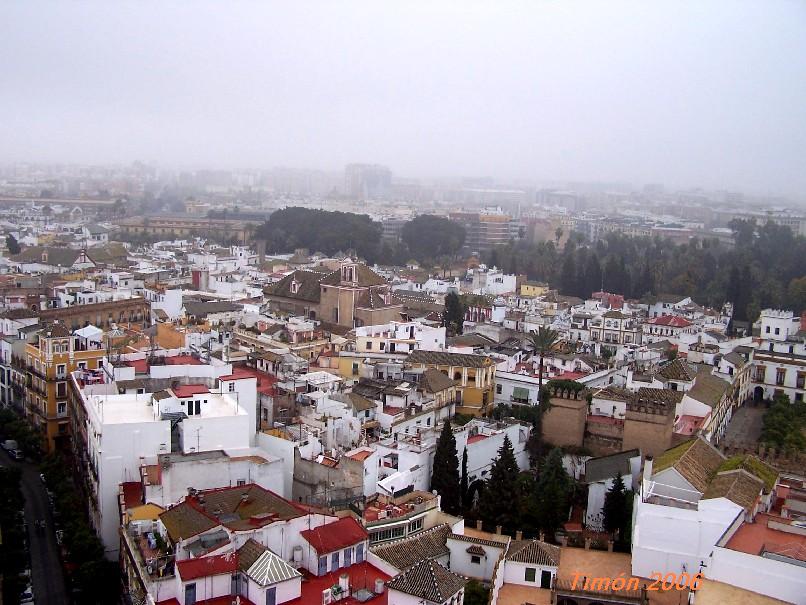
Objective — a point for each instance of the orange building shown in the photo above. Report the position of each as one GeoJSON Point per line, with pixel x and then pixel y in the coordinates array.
{"type": "Point", "coordinates": [49, 360]}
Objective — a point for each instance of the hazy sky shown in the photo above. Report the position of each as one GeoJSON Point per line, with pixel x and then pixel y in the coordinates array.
{"type": "Point", "coordinates": [704, 93]}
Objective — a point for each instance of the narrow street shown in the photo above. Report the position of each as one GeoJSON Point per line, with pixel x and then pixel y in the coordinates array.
{"type": "Point", "coordinates": [46, 568]}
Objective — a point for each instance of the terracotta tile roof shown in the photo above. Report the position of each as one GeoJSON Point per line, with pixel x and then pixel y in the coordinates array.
{"type": "Point", "coordinates": [404, 553]}
{"type": "Point", "coordinates": [475, 549]}
{"type": "Point", "coordinates": [534, 552]}
{"type": "Point", "coordinates": [335, 536]}
{"type": "Point", "coordinates": [438, 358]}
{"type": "Point", "coordinates": [708, 389]}
{"type": "Point", "coordinates": [434, 381]}
{"type": "Point", "coordinates": [249, 553]}
{"type": "Point", "coordinates": [428, 580]}
{"type": "Point", "coordinates": [665, 396]}
{"type": "Point", "coordinates": [696, 460]}
{"type": "Point", "coordinates": [738, 486]}
{"type": "Point", "coordinates": [677, 369]}
{"type": "Point", "coordinates": [204, 567]}
{"type": "Point", "coordinates": [613, 394]}
{"type": "Point", "coordinates": [672, 321]}
{"type": "Point", "coordinates": [502, 543]}
{"type": "Point", "coordinates": [185, 520]}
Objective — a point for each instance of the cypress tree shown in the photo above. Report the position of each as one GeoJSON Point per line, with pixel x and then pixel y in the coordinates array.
{"type": "Point", "coordinates": [496, 506]}
{"type": "Point", "coordinates": [553, 490]}
{"type": "Point", "coordinates": [445, 472]}
{"type": "Point", "coordinates": [616, 507]}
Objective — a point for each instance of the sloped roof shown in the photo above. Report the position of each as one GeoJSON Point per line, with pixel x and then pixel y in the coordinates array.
{"type": "Point", "coordinates": [677, 369]}
{"type": "Point", "coordinates": [335, 536]}
{"type": "Point", "coordinates": [308, 286]}
{"type": "Point", "coordinates": [270, 569]}
{"type": "Point", "coordinates": [755, 466]}
{"type": "Point", "coordinates": [665, 396]}
{"type": "Point", "coordinates": [534, 552]}
{"type": "Point", "coordinates": [434, 381]}
{"type": "Point", "coordinates": [365, 277]}
{"type": "Point", "coordinates": [738, 486]}
{"type": "Point", "coordinates": [696, 460]}
{"type": "Point", "coordinates": [185, 520]}
{"type": "Point", "coordinates": [672, 321]}
{"type": "Point", "coordinates": [613, 393]}
{"type": "Point", "coordinates": [607, 467]}
{"type": "Point", "coordinates": [735, 359]}
{"type": "Point", "coordinates": [64, 257]}
{"type": "Point", "coordinates": [428, 580]}
{"type": "Point", "coordinates": [404, 553]}
{"type": "Point", "coordinates": [204, 567]}
{"type": "Point", "coordinates": [708, 389]}
{"type": "Point", "coordinates": [440, 358]}
{"type": "Point", "coordinates": [372, 299]}
{"type": "Point", "coordinates": [249, 553]}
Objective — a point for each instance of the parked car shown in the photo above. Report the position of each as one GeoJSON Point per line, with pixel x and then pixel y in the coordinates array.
{"type": "Point", "coordinates": [27, 595]}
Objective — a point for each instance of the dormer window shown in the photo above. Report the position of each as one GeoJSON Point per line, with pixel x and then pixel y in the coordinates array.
{"type": "Point", "coordinates": [294, 286]}
{"type": "Point", "coordinates": [44, 256]}
{"type": "Point", "coordinates": [348, 273]}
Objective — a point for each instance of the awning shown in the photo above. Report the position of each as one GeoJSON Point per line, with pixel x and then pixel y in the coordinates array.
{"type": "Point", "coordinates": [520, 393]}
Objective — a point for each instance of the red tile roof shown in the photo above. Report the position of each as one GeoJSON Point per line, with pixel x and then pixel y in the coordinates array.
{"type": "Point", "coordinates": [475, 438]}
{"type": "Point", "coordinates": [189, 390]}
{"type": "Point", "coordinates": [204, 567]}
{"type": "Point", "coordinates": [362, 576]}
{"type": "Point", "coordinates": [183, 360]}
{"type": "Point", "coordinates": [140, 366]}
{"type": "Point", "coordinates": [672, 321]}
{"type": "Point", "coordinates": [335, 536]}
{"type": "Point", "coordinates": [265, 382]}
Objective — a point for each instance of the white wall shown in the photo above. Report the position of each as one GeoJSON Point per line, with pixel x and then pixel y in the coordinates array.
{"type": "Point", "coordinates": [462, 565]}
{"type": "Point", "coordinates": [284, 450]}
{"type": "Point", "coordinates": [765, 576]}
{"type": "Point", "coordinates": [672, 540]}
{"type": "Point", "coordinates": [514, 573]}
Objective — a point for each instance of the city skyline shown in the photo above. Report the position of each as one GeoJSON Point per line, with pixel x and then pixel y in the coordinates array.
{"type": "Point", "coordinates": [687, 95]}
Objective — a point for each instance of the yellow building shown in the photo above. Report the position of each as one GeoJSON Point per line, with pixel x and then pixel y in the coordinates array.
{"type": "Point", "coordinates": [49, 360]}
{"type": "Point", "coordinates": [531, 288]}
{"type": "Point", "coordinates": [474, 376]}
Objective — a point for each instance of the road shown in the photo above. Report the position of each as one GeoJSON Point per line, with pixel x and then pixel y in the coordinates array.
{"type": "Point", "coordinates": [46, 567]}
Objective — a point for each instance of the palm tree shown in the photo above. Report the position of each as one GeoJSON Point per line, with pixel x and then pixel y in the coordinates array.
{"type": "Point", "coordinates": [541, 342]}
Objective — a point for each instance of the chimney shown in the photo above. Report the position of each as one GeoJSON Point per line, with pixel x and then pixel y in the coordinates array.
{"type": "Point", "coordinates": [478, 524]}
{"type": "Point", "coordinates": [498, 529]}
{"type": "Point", "coordinates": [519, 535]}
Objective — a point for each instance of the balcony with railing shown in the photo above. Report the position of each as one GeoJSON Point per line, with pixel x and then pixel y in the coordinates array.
{"type": "Point", "coordinates": [154, 562]}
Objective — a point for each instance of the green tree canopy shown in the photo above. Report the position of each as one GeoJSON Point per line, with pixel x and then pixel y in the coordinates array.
{"type": "Point", "coordinates": [615, 506]}
{"type": "Point", "coordinates": [454, 316]}
{"type": "Point", "coordinates": [429, 237]}
{"type": "Point", "coordinates": [553, 492]}
{"type": "Point", "coordinates": [445, 471]}
{"type": "Point", "coordinates": [496, 503]}
{"type": "Point", "coordinates": [12, 245]}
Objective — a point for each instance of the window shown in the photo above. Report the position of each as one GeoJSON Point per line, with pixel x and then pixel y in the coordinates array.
{"type": "Point", "coordinates": [231, 387]}
{"type": "Point", "coordinates": [760, 373]}
{"type": "Point", "coordinates": [369, 345]}
{"type": "Point", "coordinates": [322, 566]}
{"type": "Point", "coordinates": [61, 389]}
{"type": "Point", "coordinates": [334, 561]}
{"type": "Point", "coordinates": [61, 407]}
{"type": "Point", "coordinates": [198, 407]}
{"type": "Point", "coordinates": [61, 370]}
{"type": "Point", "coordinates": [780, 376]}
{"type": "Point", "coordinates": [798, 396]}
{"type": "Point", "coordinates": [348, 557]}
{"type": "Point", "coordinates": [498, 389]}
{"type": "Point", "coordinates": [359, 553]}
{"type": "Point", "coordinates": [475, 559]}
{"type": "Point", "coordinates": [801, 380]}
{"type": "Point", "coordinates": [415, 525]}
{"type": "Point", "coordinates": [241, 482]}
{"type": "Point", "coordinates": [777, 330]}
{"type": "Point", "coordinates": [530, 574]}
{"type": "Point", "coordinates": [190, 408]}
{"type": "Point", "coordinates": [767, 330]}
